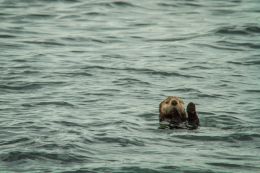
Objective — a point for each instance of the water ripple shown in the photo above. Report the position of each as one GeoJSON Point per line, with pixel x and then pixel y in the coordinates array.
{"type": "Point", "coordinates": [15, 141]}
{"type": "Point", "coordinates": [56, 103]}
{"type": "Point", "coordinates": [45, 43]}
{"type": "Point", "coordinates": [38, 155]}
{"type": "Point", "coordinates": [144, 71]}
{"type": "Point", "coordinates": [29, 86]}
{"type": "Point", "coordinates": [121, 141]}
{"type": "Point", "coordinates": [246, 30]}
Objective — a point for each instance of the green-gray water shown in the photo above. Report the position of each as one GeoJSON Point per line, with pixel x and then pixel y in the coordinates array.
{"type": "Point", "coordinates": [81, 82]}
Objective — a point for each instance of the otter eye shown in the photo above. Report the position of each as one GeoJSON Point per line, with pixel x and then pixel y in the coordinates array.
{"type": "Point", "coordinates": [167, 102]}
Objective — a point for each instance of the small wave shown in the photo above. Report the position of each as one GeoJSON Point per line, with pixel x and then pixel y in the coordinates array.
{"type": "Point", "coordinates": [56, 103]}
{"type": "Point", "coordinates": [204, 137]}
{"type": "Point", "coordinates": [49, 1]}
{"type": "Point", "coordinates": [246, 30]}
{"type": "Point", "coordinates": [130, 81]}
{"type": "Point", "coordinates": [175, 39]}
{"type": "Point", "coordinates": [46, 43]}
{"type": "Point", "coordinates": [12, 46]}
{"type": "Point", "coordinates": [37, 16]}
{"type": "Point", "coordinates": [150, 116]}
{"type": "Point", "coordinates": [254, 62]}
{"type": "Point", "coordinates": [98, 41]}
{"type": "Point", "coordinates": [233, 165]}
{"type": "Point", "coordinates": [76, 39]}
{"type": "Point", "coordinates": [204, 95]}
{"type": "Point", "coordinates": [22, 87]}
{"type": "Point", "coordinates": [244, 45]}
{"type": "Point", "coordinates": [223, 121]}
{"type": "Point", "coordinates": [253, 91]}
{"type": "Point", "coordinates": [69, 124]}
{"type": "Point", "coordinates": [132, 169]}
{"type": "Point", "coordinates": [81, 170]}
{"type": "Point", "coordinates": [231, 30]}
{"type": "Point", "coordinates": [103, 94]}
{"type": "Point", "coordinates": [141, 24]}
{"type": "Point", "coordinates": [222, 12]}
{"type": "Point", "coordinates": [122, 4]}
{"type": "Point", "coordinates": [111, 90]}
{"type": "Point", "coordinates": [184, 90]}
{"type": "Point", "coordinates": [195, 67]}
{"type": "Point", "coordinates": [167, 4]}
{"type": "Point", "coordinates": [7, 36]}
{"type": "Point", "coordinates": [253, 29]}
{"type": "Point", "coordinates": [28, 72]}
{"type": "Point", "coordinates": [121, 141]}
{"type": "Point", "coordinates": [184, 169]}
{"type": "Point", "coordinates": [244, 136]}
{"type": "Point", "coordinates": [37, 155]}
{"type": "Point", "coordinates": [125, 169]}
{"type": "Point", "coordinates": [180, 4]}
{"type": "Point", "coordinates": [51, 146]}
{"type": "Point", "coordinates": [144, 70]}
{"type": "Point", "coordinates": [118, 124]}
{"type": "Point", "coordinates": [94, 14]}
{"type": "Point", "coordinates": [220, 47]}
{"type": "Point", "coordinates": [207, 113]}
{"type": "Point", "coordinates": [163, 73]}
{"type": "Point", "coordinates": [18, 73]}
{"type": "Point", "coordinates": [19, 60]}
{"type": "Point", "coordinates": [115, 4]}
{"type": "Point", "coordinates": [53, 103]}
{"type": "Point", "coordinates": [21, 66]}
{"type": "Point", "coordinates": [15, 141]}
{"type": "Point", "coordinates": [228, 138]}
{"type": "Point", "coordinates": [192, 4]}
{"type": "Point", "coordinates": [251, 60]}
{"type": "Point", "coordinates": [74, 74]}
{"type": "Point", "coordinates": [30, 86]}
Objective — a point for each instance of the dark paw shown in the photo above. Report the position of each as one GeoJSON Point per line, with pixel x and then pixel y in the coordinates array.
{"type": "Point", "coordinates": [193, 119]}
{"type": "Point", "coordinates": [191, 108]}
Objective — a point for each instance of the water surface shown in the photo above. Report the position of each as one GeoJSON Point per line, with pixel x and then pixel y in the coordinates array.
{"type": "Point", "coordinates": [81, 82]}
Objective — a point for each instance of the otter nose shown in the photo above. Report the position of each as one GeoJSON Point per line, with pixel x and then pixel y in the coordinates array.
{"type": "Point", "coordinates": [174, 102]}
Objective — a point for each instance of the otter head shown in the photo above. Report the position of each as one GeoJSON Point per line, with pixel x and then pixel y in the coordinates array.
{"type": "Point", "coordinates": [172, 108]}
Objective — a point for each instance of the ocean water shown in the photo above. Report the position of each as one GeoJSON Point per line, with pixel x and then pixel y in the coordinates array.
{"type": "Point", "coordinates": [81, 82]}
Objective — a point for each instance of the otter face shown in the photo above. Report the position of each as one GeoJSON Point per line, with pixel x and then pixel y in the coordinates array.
{"type": "Point", "coordinates": [172, 108]}
{"type": "Point", "coordinates": [170, 104]}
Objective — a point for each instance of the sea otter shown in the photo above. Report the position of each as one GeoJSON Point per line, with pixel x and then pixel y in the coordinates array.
{"type": "Point", "coordinates": [173, 114]}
